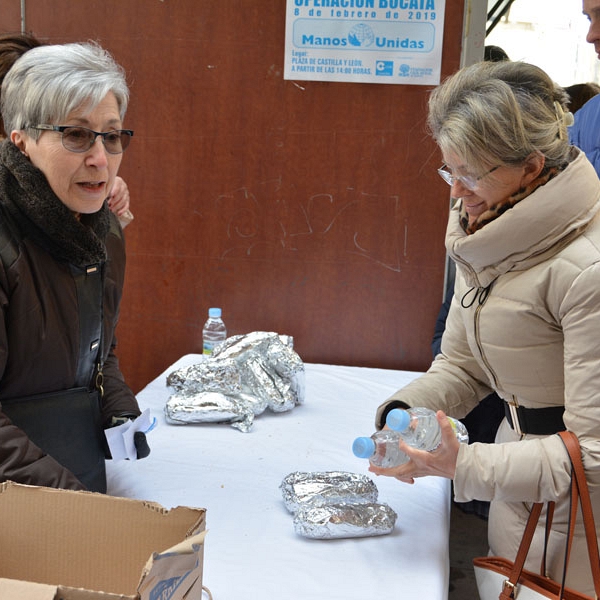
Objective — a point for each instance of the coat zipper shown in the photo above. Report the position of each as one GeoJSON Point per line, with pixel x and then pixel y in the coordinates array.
{"type": "Point", "coordinates": [476, 330]}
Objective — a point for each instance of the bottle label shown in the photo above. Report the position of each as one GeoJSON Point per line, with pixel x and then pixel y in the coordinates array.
{"type": "Point", "coordinates": [208, 347]}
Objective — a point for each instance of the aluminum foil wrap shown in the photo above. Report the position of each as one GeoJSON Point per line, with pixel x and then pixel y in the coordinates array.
{"type": "Point", "coordinates": [344, 520]}
{"type": "Point", "coordinates": [300, 489]}
{"type": "Point", "coordinates": [245, 375]}
{"type": "Point", "coordinates": [335, 504]}
{"type": "Point", "coordinates": [207, 407]}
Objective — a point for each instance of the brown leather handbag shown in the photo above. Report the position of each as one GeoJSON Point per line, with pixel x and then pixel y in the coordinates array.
{"type": "Point", "coordinates": [500, 578]}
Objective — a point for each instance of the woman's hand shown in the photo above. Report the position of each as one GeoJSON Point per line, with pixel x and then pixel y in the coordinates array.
{"type": "Point", "coordinates": [118, 199]}
{"type": "Point", "coordinates": [440, 462]}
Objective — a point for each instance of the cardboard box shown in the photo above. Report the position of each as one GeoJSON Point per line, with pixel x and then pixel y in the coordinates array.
{"type": "Point", "coordinates": [67, 545]}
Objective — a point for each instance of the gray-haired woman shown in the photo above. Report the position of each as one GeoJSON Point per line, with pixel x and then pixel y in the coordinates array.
{"type": "Point", "coordinates": [62, 266]}
{"type": "Point", "coordinates": [524, 232]}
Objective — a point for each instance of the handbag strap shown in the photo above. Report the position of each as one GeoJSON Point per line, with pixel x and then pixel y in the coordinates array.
{"type": "Point", "coordinates": [573, 503]}
{"type": "Point", "coordinates": [572, 444]}
{"type": "Point", "coordinates": [89, 284]}
{"type": "Point", "coordinates": [508, 591]}
{"type": "Point", "coordinates": [579, 492]}
{"type": "Point", "coordinates": [549, 516]}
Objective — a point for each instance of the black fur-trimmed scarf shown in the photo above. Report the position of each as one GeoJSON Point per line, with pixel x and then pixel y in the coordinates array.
{"type": "Point", "coordinates": [42, 217]}
{"type": "Point", "coordinates": [507, 203]}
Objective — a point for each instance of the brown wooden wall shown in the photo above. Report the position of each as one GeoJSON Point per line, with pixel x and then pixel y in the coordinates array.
{"type": "Point", "coordinates": [307, 208]}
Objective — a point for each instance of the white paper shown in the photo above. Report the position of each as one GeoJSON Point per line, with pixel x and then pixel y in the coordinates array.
{"type": "Point", "coordinates": [365, 41]}
{"type": "Point", "coordinates": [120, 438]}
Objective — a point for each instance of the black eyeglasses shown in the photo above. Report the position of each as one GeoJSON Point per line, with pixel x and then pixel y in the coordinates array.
{"type": "Point", "coordinates": [469, 181]}
{"type": "Point", "coordinates": [81, 139]}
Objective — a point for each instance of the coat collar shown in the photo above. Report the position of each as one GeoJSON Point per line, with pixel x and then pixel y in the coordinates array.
{"type": "Point", "coordinates": [43, 218]}
{"type": "Point", "coordinates": [532, 231]}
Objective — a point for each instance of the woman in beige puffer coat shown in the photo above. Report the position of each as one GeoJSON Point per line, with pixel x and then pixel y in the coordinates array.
{"type": "Point", "coordinates": [524, 233]}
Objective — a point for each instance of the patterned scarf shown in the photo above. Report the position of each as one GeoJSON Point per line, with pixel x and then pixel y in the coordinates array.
{"type": "Point", "coordinates": [503, 205]}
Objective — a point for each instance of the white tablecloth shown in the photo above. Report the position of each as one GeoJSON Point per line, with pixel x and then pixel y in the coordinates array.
{"type": "Point", "coordinates": [251, 549]}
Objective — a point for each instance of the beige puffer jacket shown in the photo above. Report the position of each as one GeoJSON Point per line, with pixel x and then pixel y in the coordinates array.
{"type": "Point", "coordinates": [532, 334]}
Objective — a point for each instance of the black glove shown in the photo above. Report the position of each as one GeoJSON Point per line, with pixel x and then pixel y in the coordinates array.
{"type": "Point", "coordinates": [139, 437]}
{"type": "Point", "coordinates": [141, 444]}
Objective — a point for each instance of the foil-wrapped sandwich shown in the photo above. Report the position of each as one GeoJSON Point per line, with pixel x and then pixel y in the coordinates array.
{"type": "Point", "coordinates": [245, 375]}
{"type": "Point", "coordinates": [344, 520]}
{"type": "Point", "coordinates": [335, 504]}
{"type": "Point", "coordinates": [301, 488]}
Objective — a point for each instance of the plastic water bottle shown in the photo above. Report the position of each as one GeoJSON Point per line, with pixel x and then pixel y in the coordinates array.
{"type": "Point", "coordinates": [381, 449]}
{"type": "Point", "coordinates": [419, 427]}
{"type": "Point", "coordinates": [214, 331]}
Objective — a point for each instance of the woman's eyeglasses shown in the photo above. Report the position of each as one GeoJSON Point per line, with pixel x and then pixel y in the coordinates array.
{"type": "Point", "coordinates": [469, 181]}
{"type": "Point", "coordinates": [81, 139]}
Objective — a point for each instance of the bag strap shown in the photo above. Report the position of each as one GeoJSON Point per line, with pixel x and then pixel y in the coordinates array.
{"type": "Point", "coordinates": [579, 494]}
{"type": "Point", "coordinates": [549, 517]}
{"type": "Point", "coordinates": [89, 284]}
{"type": "Point", "coordinates": [572, 444]}
{"type": "Point", "coordinates": [573, 503]}
{"type": "Point", "coordinates": [508, 591]}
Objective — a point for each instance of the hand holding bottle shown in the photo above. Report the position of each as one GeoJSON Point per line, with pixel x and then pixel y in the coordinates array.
{"type": "Point", "coordinates": [419, 428]}
{"type": "Point", "coordinates": [382, 449]}
{"type": "Point", "coordinates": [440, 462]}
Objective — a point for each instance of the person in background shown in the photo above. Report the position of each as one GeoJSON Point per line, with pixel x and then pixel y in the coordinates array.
{"type": "Point", "coordinates": [494, 54]}
{"type": "Point", "coordinates": [585, 131]}
{"type": "Point", "coordinates": [62, 250]}
{"type": "Point", "coordinates": [580, 93]}
{"type": "Point", "coordinates": [12, 46]}
{"type": "Point", "coordinates": [524, 233]}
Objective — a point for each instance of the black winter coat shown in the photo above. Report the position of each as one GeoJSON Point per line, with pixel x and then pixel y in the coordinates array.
{"type": "Point", "coordinates": [41, 342]}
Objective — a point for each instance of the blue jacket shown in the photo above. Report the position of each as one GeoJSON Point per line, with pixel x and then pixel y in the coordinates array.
{"type": "Point", "coordinates": [585, 132]}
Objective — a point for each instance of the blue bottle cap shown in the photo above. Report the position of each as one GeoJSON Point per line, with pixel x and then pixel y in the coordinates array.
{"type": "Point", "coordinates": [398, 419]}
{"type": "Point", "coordinates": [363, 447]}
{"type": "Point", "coordinates": [214, 313]}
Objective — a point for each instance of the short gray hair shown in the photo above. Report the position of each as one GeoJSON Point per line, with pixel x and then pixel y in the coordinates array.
{"type": "Point", "coordinates": [500, 113]}
{"type": "Point", "coordinates": [47, 83]}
